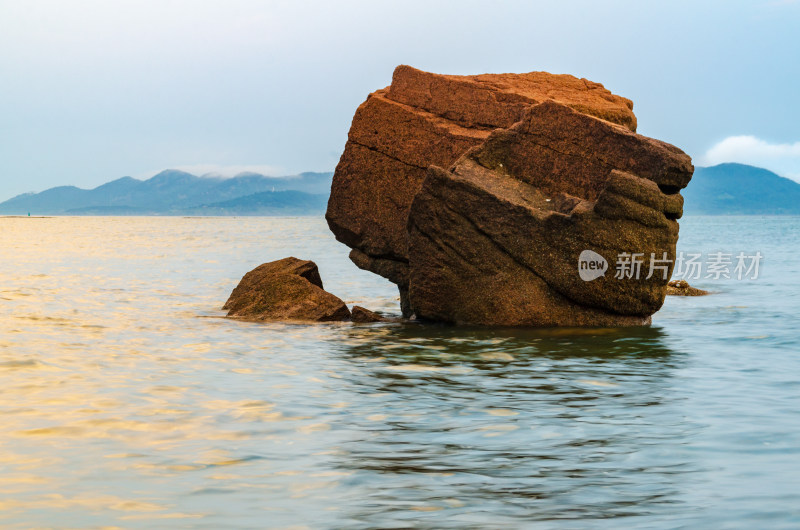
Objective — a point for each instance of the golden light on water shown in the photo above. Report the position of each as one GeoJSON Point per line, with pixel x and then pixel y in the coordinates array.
{"type": "Point", "coordinates": [128, 401]}
{"type": "Point", "coordinates": [110, 349]}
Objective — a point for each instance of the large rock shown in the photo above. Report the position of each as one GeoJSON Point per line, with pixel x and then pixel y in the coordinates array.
{"type": "Point", "coordinates": [426, 119]}
{"type": "Point", "coordinates": [285, 290]}
{"type": "Point", "coordinates": [481, 226]}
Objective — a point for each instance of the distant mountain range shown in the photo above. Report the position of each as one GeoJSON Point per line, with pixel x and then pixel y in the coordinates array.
{"type": "Point", "coordinates": [738, 189]}
{"type": "Point", "coordinates": [174, 192]}
{"type": "Point", "coordinates": [735, 189]}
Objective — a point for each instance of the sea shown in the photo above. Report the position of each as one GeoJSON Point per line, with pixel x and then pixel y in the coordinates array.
{"type": "Point", "coordinates": [127, 400]}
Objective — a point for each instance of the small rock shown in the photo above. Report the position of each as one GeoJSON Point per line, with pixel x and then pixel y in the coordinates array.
{"type": "Point", "coordinates": [286, 289]}
{"type": "Point", "coordinates": [360, 314]}
{"type": "Point", "coordinates": [682, 288]}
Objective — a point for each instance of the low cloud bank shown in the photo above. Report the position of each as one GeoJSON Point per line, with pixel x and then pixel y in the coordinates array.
{"type": "Point", "coordinates": [783, 159]}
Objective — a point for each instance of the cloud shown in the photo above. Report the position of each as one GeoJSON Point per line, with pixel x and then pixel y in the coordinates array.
{"type": "Point", "coordinates": [783, 159]}
{"type": "Point", "coordinates": [219, 170]}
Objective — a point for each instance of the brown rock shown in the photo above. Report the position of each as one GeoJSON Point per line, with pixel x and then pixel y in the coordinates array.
{"type": "Point", "coordinates": [426, 119]}
{"type": "Point", "coordinates": [287, 289]}
{"type": "Point", "coordinates": [682, 288]}
{"type": "Point", "coordinates": [361, 315]}
{"type": "Point", "coordinates": [540, 168]}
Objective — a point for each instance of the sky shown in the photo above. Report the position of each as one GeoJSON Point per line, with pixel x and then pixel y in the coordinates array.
{"type": "Point", "coordinates": [94, 90]}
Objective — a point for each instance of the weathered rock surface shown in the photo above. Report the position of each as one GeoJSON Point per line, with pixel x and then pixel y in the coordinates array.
{"type": "Point", "coordinates": [682, 288]}
{"type": "Point", "coordinates": [497, 238]}
{"type": "Point", "coordinates": [478, 194]}
{"type": "Point", "coordinates": [285, 290]}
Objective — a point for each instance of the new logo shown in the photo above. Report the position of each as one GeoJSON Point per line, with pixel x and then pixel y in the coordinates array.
{"type": "Point", "coordinates": [591, 265]}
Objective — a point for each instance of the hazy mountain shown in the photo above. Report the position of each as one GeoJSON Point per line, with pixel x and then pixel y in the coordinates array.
{"type": "Point", "coordinates": [169, 192]}
{"type": "Point", "coordinates": [737, 189]}
{"type": "Point", "coordinates": [722, 189]}
{"type": "Point", "coordinates": [288, 202]}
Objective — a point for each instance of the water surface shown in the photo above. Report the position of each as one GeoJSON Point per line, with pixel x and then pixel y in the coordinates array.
{"type": "Point", "coordinates": [125, 400]}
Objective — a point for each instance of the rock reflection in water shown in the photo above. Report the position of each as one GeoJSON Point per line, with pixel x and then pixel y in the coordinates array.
{"type": "Point", "coordinates": [524, 424]}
